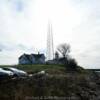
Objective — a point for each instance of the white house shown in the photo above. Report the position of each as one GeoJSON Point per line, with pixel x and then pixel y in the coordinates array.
{"type": "Point", "coordinates": [32, 59]}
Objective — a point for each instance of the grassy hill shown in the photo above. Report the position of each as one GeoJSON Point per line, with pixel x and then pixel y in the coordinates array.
{"type": "Point", "coordinates": [53, 69]}
{"type": "Point", "coordinates": [57, 84]}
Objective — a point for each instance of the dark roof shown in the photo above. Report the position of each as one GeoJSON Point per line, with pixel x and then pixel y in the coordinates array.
{"type": "Point", "coordinates": [29, 56]}
{"type": "Point", "coordinates": [37, 55]}
{"type": "Point", "coordinates": [22, 55]}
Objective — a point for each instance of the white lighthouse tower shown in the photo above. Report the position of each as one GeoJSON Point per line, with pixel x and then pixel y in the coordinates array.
{"type": "Point", "coordinates": [50, 48]}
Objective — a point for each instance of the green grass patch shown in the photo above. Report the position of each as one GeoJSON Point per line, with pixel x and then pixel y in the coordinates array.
{"type": "Point", "coordinates": [51, 69]}
{"type": "Point", "coordinates": [54, 69]}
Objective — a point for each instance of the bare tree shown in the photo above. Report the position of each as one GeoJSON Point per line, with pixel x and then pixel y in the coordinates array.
{"type": "Point", "coordinates": [64, 49]}
{"type": "Point", "coordinates": [69, 62]}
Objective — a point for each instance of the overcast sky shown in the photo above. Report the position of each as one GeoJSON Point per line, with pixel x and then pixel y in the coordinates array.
{"type": "Point", "coordinates": [24, 26]}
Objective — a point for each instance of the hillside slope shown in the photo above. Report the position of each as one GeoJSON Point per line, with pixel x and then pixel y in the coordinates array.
{"type": "Point", "coordinates": [56, 84]}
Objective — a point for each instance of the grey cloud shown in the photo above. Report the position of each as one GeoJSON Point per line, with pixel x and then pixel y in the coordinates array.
{"type": "Point", "coordinates": [24, 47]}
{"type": "Point", "coordinates": [13, 47]}
{"type": "Point", "coordinates": [2, 46]}
{"type": "Point", "coordinates": [17, 5]}
{"type": "Point", "coordinates": [0, 50]}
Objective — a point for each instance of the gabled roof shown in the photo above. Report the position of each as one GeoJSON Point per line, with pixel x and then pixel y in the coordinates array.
{"type": "Point", "coordinates": [24, 55]}
{"type": "Point", "coordinates": [29, 56]}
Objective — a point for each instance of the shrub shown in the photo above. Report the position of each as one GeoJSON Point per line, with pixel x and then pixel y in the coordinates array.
{"type": "Point", "coordinates": [72, 65]}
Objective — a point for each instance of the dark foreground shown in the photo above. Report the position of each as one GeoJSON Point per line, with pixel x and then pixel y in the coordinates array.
{"type": "Point", "coordinates": [72, 86]}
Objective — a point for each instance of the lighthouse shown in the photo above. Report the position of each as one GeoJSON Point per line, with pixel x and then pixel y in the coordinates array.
{"type": "Point", "coordinates": [50, 45]}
